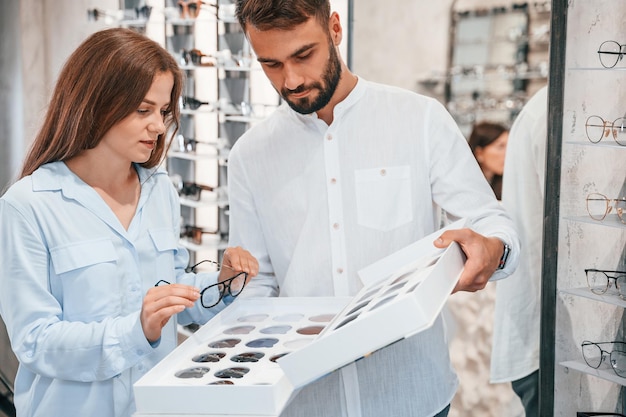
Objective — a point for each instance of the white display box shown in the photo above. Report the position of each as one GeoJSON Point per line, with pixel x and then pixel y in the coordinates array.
{"type": "Point", "coordinates": [298, 340]}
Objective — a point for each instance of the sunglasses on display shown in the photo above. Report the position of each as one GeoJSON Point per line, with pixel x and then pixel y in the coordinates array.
{"type": "Point", "coordinates": [194, 233]}
{"type": "Point", "coordinates": [143, 12]}
{"type": "Point", "coordinates": [194, 57]}
{"type": "Point", "coordinates": [192, 190]}
{"type": "Point", "coordinates": [597, 128]}
{"type": "Point", "coordinates": [190, 9]}
{"type": "Point", "coordinates": [599, 205]}
{"type": "Point", "coordinates": [610, 53]}
{"type": "Point", "coordinates": [188, 144]}
{"type": "Point", "coordinates": [232, 286]}
{"type": "Point", "coordinates": [599, 281]}
{"type": "Point", "coordinates": [192, 103]}
{"type": "Point", "coordinates": [97, 14]}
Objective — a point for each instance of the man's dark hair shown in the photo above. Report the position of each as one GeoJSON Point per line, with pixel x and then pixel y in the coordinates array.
{"type": "Point", "coordinates": [281, 14]}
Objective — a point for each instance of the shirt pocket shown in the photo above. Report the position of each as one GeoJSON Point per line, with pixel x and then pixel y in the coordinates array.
{"type": "Point", "coordinates": [89, 277]}
{"type": "Point", "coordinates": [166, 245]}
{"type": "Point", "coordinates": [383, 197]}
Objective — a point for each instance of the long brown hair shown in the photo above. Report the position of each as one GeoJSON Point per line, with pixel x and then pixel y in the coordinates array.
{"type": "Point", "coordinates": [281, 14]}
{"type": "Point", "coordinates": [104, 80]}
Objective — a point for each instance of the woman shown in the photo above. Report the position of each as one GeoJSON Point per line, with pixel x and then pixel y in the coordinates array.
{"type": "Point", "coordinates": [89, 229]}
{"type": "Point", "coordinates": [488, 143]}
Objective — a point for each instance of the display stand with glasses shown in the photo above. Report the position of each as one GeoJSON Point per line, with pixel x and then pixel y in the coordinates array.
{"type": "Point", "coordinates": [584, 271]}
{"type": "Point", "coordinates": [217, 108]}
{"type": "Point", "coordinates": [224, 94]}
{"type": "Point", "coordinates": [497, 60]}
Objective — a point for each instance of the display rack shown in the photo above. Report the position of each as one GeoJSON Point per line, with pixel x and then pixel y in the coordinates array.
{"type": "Point", "coordinates": [217, 108]}
{"type": "Point", "coordinates": [221, 99]}
{"type": "Point", "coordinates": [571, 313]}
{"type": "Point", "coordinates": [497, 60]}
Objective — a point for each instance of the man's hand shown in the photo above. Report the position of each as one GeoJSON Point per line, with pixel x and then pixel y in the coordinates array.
{"type": "Point", "coordinates": [483, 257]}
{"type": "Point", "coordinates": [237, 259]}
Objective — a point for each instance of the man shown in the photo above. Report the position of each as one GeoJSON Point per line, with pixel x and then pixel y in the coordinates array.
{"type": "Point", "coordinates": [515, 353]}
{"type": "Point", "coordinates": [343, 174]}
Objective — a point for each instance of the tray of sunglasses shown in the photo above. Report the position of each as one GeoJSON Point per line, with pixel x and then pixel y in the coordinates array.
{"type": "Point", "coordinates": [229, 366]}
{"type": "Point", "coordinates": [254, 355]}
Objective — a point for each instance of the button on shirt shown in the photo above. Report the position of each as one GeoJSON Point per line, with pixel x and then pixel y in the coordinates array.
{"type": "Point", "coordinates": [72, 281]}
{"type": "Point", "coordinates": [316, 203]}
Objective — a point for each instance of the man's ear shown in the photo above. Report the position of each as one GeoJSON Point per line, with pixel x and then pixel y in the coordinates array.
{"type": "Point", "coordinates": [334, 26]}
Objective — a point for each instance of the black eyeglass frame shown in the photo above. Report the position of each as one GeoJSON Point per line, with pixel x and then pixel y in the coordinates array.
{"type": "Point", "coordinates": [606, 273]}
{"type": "Point", "coordinates": [604, 354]}
{"type": "Point", "coordinates": [620, 54]}
{"type": "Point", "coordinates": [224, 287]}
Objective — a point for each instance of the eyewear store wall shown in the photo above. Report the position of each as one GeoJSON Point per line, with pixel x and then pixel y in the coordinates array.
{"type": "Point", "coordinates": [576, 319]}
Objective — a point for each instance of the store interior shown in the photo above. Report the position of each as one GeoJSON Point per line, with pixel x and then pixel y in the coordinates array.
{"type": "Point", "coordinates": [483, 59]}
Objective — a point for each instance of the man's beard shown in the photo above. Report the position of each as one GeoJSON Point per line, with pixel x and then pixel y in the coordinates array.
{"type": "Point", "coordinates": [330, 80]}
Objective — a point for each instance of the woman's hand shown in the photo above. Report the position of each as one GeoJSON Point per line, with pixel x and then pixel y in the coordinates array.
{"type": "Point", "coordinates": [161, 303]}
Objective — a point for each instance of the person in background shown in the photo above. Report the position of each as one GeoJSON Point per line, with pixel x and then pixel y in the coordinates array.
{"type": "Point", "coordinates": [488, 143]}
{"type": "Point", "coordinates": [91, 227]}
{"type": "Point", "coordinates": [515, 353]}
{"type": "Point", "coordinates": [342, 174]}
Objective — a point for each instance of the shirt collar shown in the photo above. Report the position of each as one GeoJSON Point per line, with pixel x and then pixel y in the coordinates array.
{"type": "Point", "coordinates": [340, 108]}
{"type": "Point", "coordinates": [57, 176]}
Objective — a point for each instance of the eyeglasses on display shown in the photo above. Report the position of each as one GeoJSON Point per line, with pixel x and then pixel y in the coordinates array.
{"type": "Point", "coordinates": [193, 190]}
{"type": "Point", "coordinates": [193, 103]}
{"type": "Point", "coordinates": [610, 53]}
{"type": "Point", "coordinates": [194, 233]}
{"type": "Point", "coordinates": [194, 56]}
{"type": "Point", "coordinates": [232, 286]}
{"type": "Point", "coordinates": [597, 414]}
{"type": "Point", "coordinates": [190, 9]}
{"type": "Point", "coordinates": [143, 12]}
{"type": "Point", "coordinates": [599, 281]}
{"type": "Point", "coordinates": [188, 144]}
{"type": "Point", "coordinates": [597, 128]}
{"type": "Point", "coordinates": [109, 15]}
{"type": "Point", "coordinates": [594, 355]}
{"type": "Point", "coordinates": [599, 206]}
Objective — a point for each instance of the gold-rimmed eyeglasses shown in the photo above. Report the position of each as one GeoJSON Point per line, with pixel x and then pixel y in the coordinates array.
{"type": "Point", "coordinates": [597, 128]}
{"type": "Point", "coordinates": [599, 206]}
{"type": "Point", "coordinates": [232, 286]}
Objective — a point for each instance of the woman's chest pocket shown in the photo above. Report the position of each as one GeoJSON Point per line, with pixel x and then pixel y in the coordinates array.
{"type": "Point", "coordinates": [87, 279]}
{"type": "Point", "coordinates": [383, 197]}
{"type": "Point", "coordinates": [166, 245]}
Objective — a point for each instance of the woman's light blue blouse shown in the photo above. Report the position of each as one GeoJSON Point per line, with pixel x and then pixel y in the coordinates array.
{"type": "Point", "coordinates": [72, 280]}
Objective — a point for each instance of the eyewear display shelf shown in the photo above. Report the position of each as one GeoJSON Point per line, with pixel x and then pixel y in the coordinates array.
{"type": "Point", "coordinates": [219, 104]}
{"type": "Point", "coordinates": [581, 242]}
{"type": "Point", "coordinates": [498, 58]}
{"type": "Point", "coordinates": [255, 355]}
